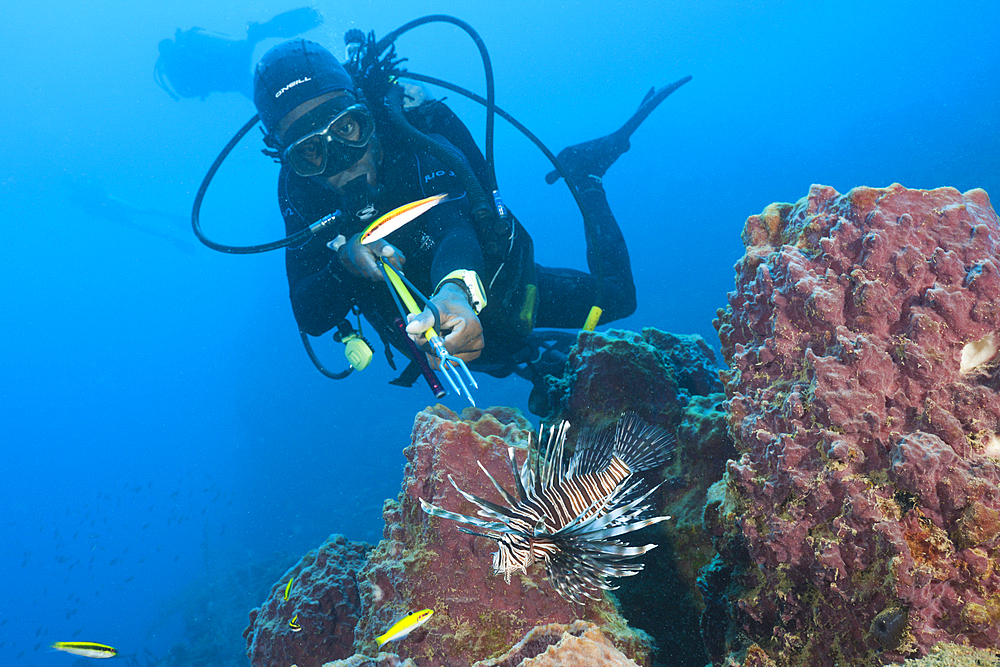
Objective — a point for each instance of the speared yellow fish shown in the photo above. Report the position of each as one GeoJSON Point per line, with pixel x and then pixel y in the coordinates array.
{"type": "Point", "coordinates": [288, 587]}
{"type": "Point", "coordinates": [398, 217]}
{"type": "Point", "coordinates": [86, 649]}
{"type": "Point", "coordinates": [405, 626]}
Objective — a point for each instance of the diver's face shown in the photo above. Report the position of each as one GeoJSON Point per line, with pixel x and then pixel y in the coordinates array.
{"type": "Point", "coordinates": [345, 129]}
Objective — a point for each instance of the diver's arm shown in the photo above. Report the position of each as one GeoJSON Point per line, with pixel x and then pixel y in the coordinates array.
{"type": "Point", "coordinates": [320, 291]}
{"type": "Point", "coordinates": [457, 248]}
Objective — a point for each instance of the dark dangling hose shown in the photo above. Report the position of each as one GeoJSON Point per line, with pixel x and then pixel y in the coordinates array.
{"type": "Point", "coordinates": [484, 54]}
{"type": "Point", "coordinates": [507, 117]}
{"type": "Point", "coordinates": [294, 239]}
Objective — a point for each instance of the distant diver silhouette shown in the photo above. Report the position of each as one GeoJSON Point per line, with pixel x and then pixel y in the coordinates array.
{"type": "Point", "coordinates": [94, 199]}
{"type": "Point", "coordinates": [197, 62]}
{"type": "Point", "coordinates": [592, 158]}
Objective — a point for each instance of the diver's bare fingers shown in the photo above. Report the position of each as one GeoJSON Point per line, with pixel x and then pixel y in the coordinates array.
{"type": "Point", "coordinates": [391, 254]}
{"type": "Point", "coordinates": [370, 270]}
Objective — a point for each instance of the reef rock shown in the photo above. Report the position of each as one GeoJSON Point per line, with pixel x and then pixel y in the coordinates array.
{"type": "Point", "coordinates": [325, 602]}
{"type": "Point", "coordinates": [653, 374]}
{"type": "Point", "coordinates": [952, 655]}
{"type": "Point", "coordinates": [425, 562]}
{"type": "Point", "coordinates": [558, 645]}
{"type": "Point", "coordinates": [672, 381]}
{"type": "Point", "coordinates": [861, 520]}
{"type": "Point", "coordinates": [381, 660]}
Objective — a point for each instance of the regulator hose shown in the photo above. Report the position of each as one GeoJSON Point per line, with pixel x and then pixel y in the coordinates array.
{"type": "Point", "coordinates": [295, 239]}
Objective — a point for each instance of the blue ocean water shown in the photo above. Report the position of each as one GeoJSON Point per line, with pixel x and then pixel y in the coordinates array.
{"type": "Point", "coordinates": [168, 447]}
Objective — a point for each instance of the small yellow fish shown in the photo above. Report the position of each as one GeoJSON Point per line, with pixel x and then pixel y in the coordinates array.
{"type": "Point", "coordinates": [294, 625]}
{"type": "Point", "coordinates": [398, 217]}
{"type": "Point", "coordinates": [405, 626]}
{"type": "Point", "coordinates": [288, 587]}
{"type": "Point", "coordinates": [86, 649]}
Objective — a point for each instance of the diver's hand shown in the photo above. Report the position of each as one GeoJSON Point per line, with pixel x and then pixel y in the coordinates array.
{"type": "Point", "coordinates": [465, 340]}
{"type": "Point", "coordinates": [361, 260]}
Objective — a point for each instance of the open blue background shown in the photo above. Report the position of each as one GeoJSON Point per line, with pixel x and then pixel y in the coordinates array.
{"type": "Point", "coordinates": [168, 448]}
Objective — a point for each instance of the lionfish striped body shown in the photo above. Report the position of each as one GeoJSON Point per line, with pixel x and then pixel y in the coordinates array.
{"type": "Point", "coordinates": [567, 512]}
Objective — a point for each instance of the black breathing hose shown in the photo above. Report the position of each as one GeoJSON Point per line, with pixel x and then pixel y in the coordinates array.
{"type": "Point", "coordinates": [384, 43]}
{"type": "Point", "coordinates": [507, 117]}
{"type": "Point", "coordinates": [295, 239]}
{"type": "Point", "coordinates": [482, 210]}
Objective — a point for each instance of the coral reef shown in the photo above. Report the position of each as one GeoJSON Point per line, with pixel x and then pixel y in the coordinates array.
{"type": "Point", "coordinates": [558, 645]}
{"type": "Point", "coordinates": [653, 374]}
{"type": "Point", "coordinates": [381, 660]}
{"type": "Point", "coordinates": [952, 655]}
{"type": "Point", "coordinates": [672, 381]}
{"type": "Point", "coordinates": [325, 601]}
{"type": "Point", "coordinates": [425, 562]}
{"type": "Point", "coordinates": [862, 519]}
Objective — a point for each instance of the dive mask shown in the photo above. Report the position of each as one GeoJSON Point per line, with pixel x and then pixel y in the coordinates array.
{"type": "Point", "coordinates": [329, 146]}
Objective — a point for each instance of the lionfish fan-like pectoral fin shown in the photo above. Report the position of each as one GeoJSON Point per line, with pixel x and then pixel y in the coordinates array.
{"type": "Point", "coordinates": [614, 551]}
{"type": "Point", "coordinates": [640, 445]}
{"type": "Point", "coordinates": [576, 575]}
{"type": "Point", "coordinates": [487, 509]}
{"type": "Point", "coordinates": [592, 453]}
{"type": "Point", "coordinates": [434, 510]}
{"type": "Point", "coordinates": [594, 511]}
{"type": "Point", "coordinates": [620, 530]}
{"type": "Point", "coordinates": [509, 499]}
{"type": "Point", "coordinates": [521, 493]}
{"type": "Point", "coordinates": [472, 532]}
{"type": "Point", "coordinates": [626, 513]}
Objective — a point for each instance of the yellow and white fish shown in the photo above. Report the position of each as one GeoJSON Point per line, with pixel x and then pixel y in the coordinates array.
{"type": "Point", "coordinates": [294, 624]}
{"type": "Point", "coordinates": [404, 626]}
{"type": "Point", "coordinates": [86, 649]}
{"type": "Point", "coordinates": [398, 217]}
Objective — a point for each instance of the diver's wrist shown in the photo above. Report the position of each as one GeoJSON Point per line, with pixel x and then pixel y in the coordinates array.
{"type": "Point", "coordinates": [454, 287]}
{"type": "Point", "coordinates": [470, 284]}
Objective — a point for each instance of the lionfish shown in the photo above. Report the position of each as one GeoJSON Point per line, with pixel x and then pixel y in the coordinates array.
{"type": "Point", "coordinates": [568, 511]}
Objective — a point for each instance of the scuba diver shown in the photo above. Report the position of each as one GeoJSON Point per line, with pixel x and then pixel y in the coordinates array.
{"type": "Point", "coordinates": [352, 144]}
{"type": "Point", "coordinates": [91, 197]}
{"type": "Point", "coordinates": [196, 62]}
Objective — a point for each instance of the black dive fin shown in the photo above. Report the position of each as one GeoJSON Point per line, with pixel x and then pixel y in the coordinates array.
{"type": "Point", "coordinates": [593, 158]}
{"type": "Point", "coordinates": [650, 102]}
{"type": "Point", "coordinates": [287, 24]}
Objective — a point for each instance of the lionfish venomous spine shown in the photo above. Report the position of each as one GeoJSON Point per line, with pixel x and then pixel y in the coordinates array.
{"type": "Point", "coordinates": [567, 513]}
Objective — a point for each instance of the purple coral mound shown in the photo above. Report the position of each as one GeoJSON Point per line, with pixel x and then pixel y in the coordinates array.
{"type": "Point", "coordinates": [865, 401]}
{"type": "Point", "coordinates": [325, 602]}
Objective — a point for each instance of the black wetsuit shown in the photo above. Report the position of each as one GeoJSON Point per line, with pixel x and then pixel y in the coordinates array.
{"type": "Point", "coordinates": [440, 241]}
